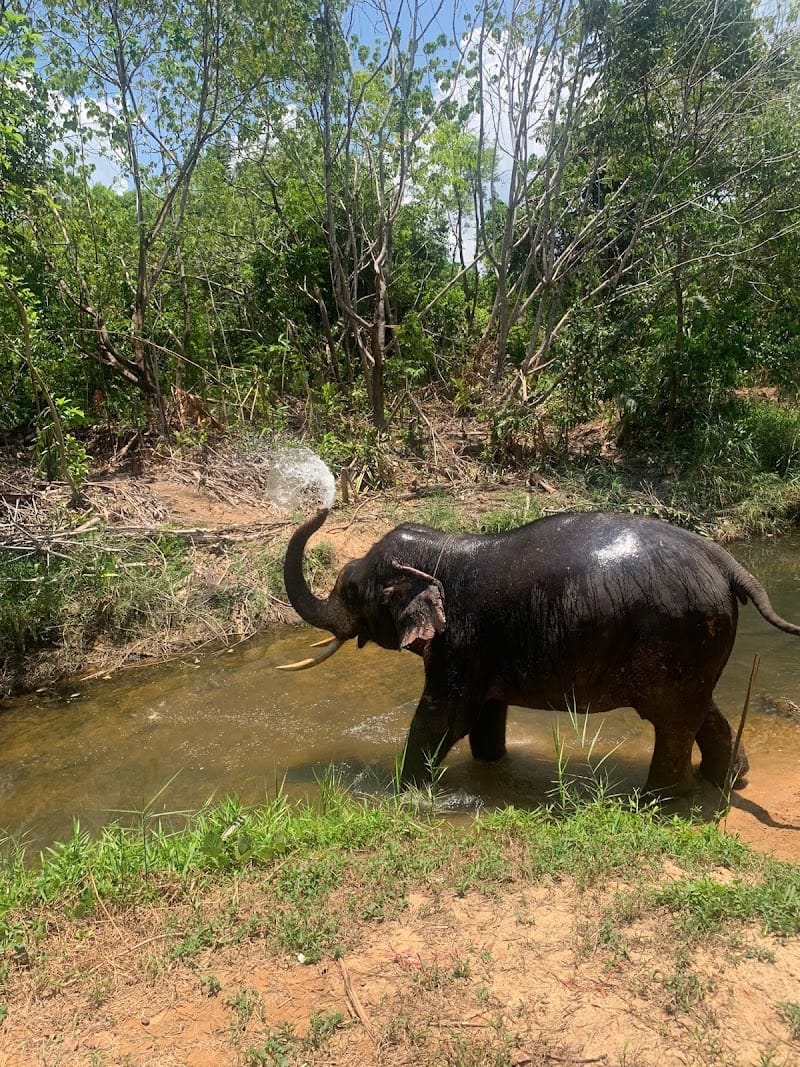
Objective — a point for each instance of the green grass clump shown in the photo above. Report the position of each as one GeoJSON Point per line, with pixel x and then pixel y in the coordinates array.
{"type": "Point", "coordinates": [790, 1010]}
{"type": "Point", "coordinates": [322, 867]}
{"type": "Point", "coordinates": [703, 904]}
{"type": "Point", "coordinates": [152, 593]}
{"type": "Point", "coordinates": [45, 600]}
{"type": "Point", "coordinates": [62, 603]}
{"type": "Point", "coordinates": [442, 513]}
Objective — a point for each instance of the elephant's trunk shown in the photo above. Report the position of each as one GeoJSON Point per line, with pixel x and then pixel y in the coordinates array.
{"type": "Point", "coordinates": [324, 614]}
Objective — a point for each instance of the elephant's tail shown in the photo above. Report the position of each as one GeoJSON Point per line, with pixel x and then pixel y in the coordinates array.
{"type": "Point", "coordinates": [749, 588]}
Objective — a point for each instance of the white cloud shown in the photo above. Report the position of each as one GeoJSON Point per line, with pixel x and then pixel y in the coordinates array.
{"type": "Point", "coordinates": [516, 94]}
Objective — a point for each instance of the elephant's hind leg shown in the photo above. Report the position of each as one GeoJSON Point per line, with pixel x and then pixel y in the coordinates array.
{"type": "Point", "coordinates": [675, 722]}
{"type": "Point", "coordinates": [487, 736]}
{"type": "Point", "coordinates": [715, 740]}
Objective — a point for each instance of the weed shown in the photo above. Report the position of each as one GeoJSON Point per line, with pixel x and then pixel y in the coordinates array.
{"type": "Point", "coordinates": [315, 846]}
{"type": "Point", "coordinates": [609, 938]}
{"type": "Point", "coordinates": [702, 904]}
{"type": "Point", "coordinates": [404, 1030]}
{"type": "Point", "coordinates": [470, 1051]}
{"type": "Point", "coordinates": [442, 513]}
{"type": "Point", "coordinates": [431, 976]}
{"type": "Point", "coordinates": [427, 798]}
{"type": "Point", "coordinates": [572, 790]}
{"type": "Point", "coordinates": [321, 1027]}
{"type": "Point", "coordinates": [276, 1050]}
{"type": "Point", "coordinates": [519, 509]}
{"type": "Point", "coordinates": [482, 868]}
{"type": "Point", "coordinates": [153, 967]}
{"type": "Point", "coordinates": [741, 949]}
{"type": "Point", "coordinates": [684, 987]}
{"type": "Point", "coordinates": [98, 993]}
{"type": "Point", "coordinates": [790, 1012]}
{"type": "Point", "coordinates": [210, 985]}
{"type": "Point", "coordinates": [244, 1004]}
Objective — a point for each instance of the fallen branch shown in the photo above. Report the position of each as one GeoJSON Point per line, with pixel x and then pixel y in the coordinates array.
{"type": "Point", "coordinates": [54, 543]}
{"type": "Point", "coordinates": [356, 1005]}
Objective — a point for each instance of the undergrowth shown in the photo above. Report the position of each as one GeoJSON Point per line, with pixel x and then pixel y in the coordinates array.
{"type": "Point", "coordinates": [154, 593]}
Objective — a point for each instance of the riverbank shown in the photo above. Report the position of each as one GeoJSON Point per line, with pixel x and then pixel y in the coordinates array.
{"type": "Point", "coordinates": [182, 549]}
{"type": "Point", "coordinates": [350, 933]}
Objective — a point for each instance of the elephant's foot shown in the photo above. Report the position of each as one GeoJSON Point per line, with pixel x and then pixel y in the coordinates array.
{"type": "Point", "coordinates": [487, 738]}
{"type": "Point", "coordinates": [715, 740]}
{"type": "Point", "coordinates": [715, 770]}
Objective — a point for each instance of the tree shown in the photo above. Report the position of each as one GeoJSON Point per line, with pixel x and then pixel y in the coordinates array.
{"type": "Point", "coordinates": [163, 83]}
{"type": "Point", "coordinates": [690, 114]}
{"type": "Point", "coordinates": [24, 140]}
{"type": "Point", "coordinates": [368, 112]}
{"type": "Point", "coordinates": [626, 146]}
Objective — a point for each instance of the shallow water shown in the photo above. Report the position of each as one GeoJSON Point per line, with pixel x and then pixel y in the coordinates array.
{"type": "Point", "coordinates": [170, 738]}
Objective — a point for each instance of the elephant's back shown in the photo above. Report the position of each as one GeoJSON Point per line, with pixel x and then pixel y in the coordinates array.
{"type": "Point", "coordinates": [600, 565]}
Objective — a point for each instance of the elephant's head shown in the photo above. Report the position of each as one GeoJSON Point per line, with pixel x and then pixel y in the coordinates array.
{"type": "Point", "coordinates": [375, 598]}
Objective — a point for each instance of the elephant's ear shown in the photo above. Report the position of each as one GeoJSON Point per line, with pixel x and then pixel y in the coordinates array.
{"type": "Point", "coordinates": [416, 600]}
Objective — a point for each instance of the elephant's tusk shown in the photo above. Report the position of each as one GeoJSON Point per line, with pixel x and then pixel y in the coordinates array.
{"type": "Point", "coordinates": [329, 646]}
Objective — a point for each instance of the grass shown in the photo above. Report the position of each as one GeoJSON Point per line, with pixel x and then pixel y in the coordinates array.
{"type": "Point", "coordinates": [326, 864]}
{"type": "Point", "coordinates": [790, 1010]}
{"type": "Point", "coordinates": [150, 593]}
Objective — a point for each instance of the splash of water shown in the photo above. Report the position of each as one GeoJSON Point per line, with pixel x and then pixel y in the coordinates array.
{"type": "Point", "coordinates": [299, 479]}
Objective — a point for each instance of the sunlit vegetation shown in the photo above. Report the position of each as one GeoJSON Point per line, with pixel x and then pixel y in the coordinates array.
{"type": "Point", "coordinates": [311, 216]}
{"type": "Point", "coordinates": [303, 854]}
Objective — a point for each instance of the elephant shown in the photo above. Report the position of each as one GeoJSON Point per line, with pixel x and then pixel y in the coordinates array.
{"type": "Point", "coordinates": [591, 611]}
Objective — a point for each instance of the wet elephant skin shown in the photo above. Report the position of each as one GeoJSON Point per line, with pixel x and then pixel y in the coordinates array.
{"type": "Point", "coordinates": [586, 611]}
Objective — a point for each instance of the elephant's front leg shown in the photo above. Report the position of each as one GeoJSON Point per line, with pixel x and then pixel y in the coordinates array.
{"type": "Point", "coordinates": [435, 728]}
{"type": "Point", "coordinates": [447, 711]}
{"type": "Point", "coordinates": [487, 734]}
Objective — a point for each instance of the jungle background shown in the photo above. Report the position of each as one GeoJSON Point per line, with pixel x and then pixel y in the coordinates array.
{"type": "Point", "coordinates": [317, 217]}
{"type": "Point", "coordinates": [487, 259]}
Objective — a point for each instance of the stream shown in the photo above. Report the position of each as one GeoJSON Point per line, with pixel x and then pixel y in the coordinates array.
{"type": "Point", "coordinates": [170, 738]}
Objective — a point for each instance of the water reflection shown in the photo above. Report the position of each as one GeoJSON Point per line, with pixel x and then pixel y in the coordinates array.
{"type": "Point", "coordinates": [231, 723]}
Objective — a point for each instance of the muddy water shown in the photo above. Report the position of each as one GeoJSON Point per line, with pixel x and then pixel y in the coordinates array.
{"type": "Point", "coordinates": [231, 723]}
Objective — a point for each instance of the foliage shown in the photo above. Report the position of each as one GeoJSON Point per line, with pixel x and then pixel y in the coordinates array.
{"type": "Point", "coordinates": [40, 600]}
{"type": "Point", "coordinates": [539, 200]}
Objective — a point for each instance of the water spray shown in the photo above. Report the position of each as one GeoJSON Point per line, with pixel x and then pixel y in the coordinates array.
{"type": "Point", "coordinates": [299, 480]}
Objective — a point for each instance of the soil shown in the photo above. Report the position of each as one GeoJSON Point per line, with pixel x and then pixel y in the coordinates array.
{"type": "Point", "coordinates": [524, 976]}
